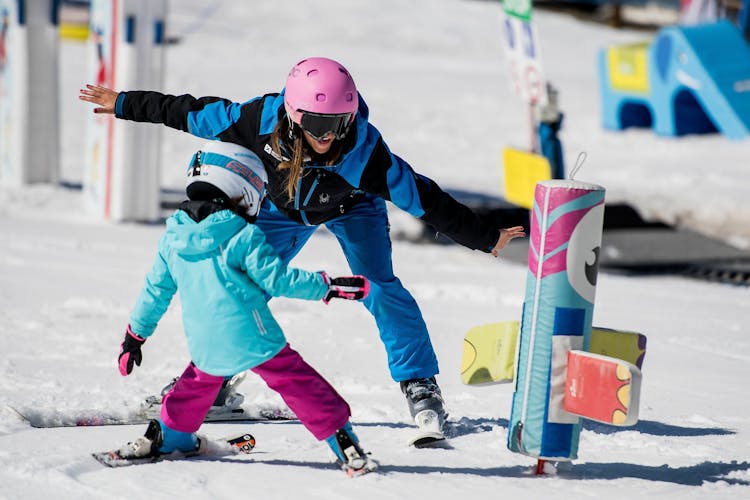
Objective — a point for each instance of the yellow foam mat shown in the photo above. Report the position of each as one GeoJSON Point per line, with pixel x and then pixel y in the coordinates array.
{"type": "Point", "coordinates": [523, 170]}
{"type": "Point", "coordinates": [489, 354]}
{"type": "Point", "coordinates": [489, 351]}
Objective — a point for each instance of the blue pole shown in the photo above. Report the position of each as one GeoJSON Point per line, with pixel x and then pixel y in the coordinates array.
{"type": "Point", "coordinates": [744, 19]}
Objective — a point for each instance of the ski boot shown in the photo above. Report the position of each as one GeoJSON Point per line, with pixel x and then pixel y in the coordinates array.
{"type": "Point", "coordinates": [146, 446]}
{"type": "Point", "coordinates": [228, 397]}
{"type": "Point", "coordinates": [349, 455]}
{"type": "Point", "coordinates": [426, 407]}
{"type": "Point", "coordinates": [226, 406]}
{"type": "Point", "coordinates": [161, 440]}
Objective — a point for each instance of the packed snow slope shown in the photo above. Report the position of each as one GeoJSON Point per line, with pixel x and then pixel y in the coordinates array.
{"type": "Point", "coordinates": [434, 76]}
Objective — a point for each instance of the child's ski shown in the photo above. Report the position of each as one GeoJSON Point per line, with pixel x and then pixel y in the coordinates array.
{"type": "Point", "coordinates": [46, 418]}
{"type": "Point", "coordinates": [227, 406]}
{"type": "Point", "coordinates": [151, 408]}
{"type": "Point", "coordinates": [241, 444]}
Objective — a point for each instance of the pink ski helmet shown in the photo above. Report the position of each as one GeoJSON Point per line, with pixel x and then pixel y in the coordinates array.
{"type": "Point", "coordinates": [321, 97]}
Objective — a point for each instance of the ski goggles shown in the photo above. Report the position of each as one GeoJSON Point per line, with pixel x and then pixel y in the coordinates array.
{"type": "Point", "coordinates": [319, 125]}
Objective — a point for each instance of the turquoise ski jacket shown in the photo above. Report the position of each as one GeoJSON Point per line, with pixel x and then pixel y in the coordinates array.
{"type": "Point", "coordinates": [223, 268]}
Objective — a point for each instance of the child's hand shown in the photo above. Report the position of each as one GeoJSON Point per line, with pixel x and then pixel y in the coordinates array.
{"type": "Point", "coordinates": [102, 96]}
{"type": "Point", "coordinates": [346, 287]}
{"type": "Point", "coordinates": [130, 352]}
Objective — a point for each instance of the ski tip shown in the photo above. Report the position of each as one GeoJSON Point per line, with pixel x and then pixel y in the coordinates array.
{"type": "Point", "coordinates": [243, 444]}
{"type": "Point", "coordinates": [369, 465]}
{"type": "Point", "coordinates": [113, 459]}
{"type": "Point", "coordinates": [105, 457]}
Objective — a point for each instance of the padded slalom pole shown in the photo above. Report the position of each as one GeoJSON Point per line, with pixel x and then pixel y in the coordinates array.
{"type": "Point", "coordinates": [565, 238]}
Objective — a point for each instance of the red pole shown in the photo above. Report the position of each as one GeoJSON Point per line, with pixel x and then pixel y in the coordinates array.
{"type": "Point", "coordinates": [540, 467]}
{"type": "Point", "coordinates": [111, 122]}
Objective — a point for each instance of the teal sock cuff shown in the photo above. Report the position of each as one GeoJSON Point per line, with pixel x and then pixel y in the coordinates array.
{"type": "Point", "coordinates": [334, 445]}
{"type": "Point", "coordinates": [176, 440]}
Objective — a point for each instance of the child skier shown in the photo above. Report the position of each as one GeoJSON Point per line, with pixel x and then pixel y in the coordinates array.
{"type": "Point", "coordinates": [220, 262]}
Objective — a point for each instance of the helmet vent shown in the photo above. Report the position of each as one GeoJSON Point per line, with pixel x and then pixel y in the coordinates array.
{"type": "Point", "coordinates": [320, 97]}
{"type": "Point", "coordinates": [312, 72]}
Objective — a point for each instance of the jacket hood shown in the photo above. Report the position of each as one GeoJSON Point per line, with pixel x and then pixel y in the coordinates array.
{"type": "Point", "coordinates": [188, 237]}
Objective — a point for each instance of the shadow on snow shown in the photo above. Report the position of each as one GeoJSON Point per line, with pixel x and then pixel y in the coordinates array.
{"type": "Point", "coordinates": [692, 475]}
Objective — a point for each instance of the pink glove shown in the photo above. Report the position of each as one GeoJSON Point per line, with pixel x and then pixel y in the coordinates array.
{"type": "Point", "coordinates": [346, 287]}
{"type": "Point", "coordinates": [130, 352]}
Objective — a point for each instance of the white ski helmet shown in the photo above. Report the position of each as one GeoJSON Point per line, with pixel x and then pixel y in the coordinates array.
{"type": "Point", "coordinates": [235, 171]}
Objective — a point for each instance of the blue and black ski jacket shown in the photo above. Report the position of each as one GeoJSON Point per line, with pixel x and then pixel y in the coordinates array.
{"type": "Point", "coordinates": [324, 191]}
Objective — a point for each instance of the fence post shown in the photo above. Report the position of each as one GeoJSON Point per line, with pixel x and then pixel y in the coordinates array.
{"type": "Point", "coordinates": [29, 92]}
{"type": "Point", "coordinates": [122, 180]}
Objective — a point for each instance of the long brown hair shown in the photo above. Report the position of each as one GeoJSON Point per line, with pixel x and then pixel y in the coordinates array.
{"type": "Point", "coordinates": [298, 147]}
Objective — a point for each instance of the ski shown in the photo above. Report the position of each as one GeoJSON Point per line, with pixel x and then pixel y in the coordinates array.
{"type": "Point", "coordinates": [426, 439]}
{"type": "Point", "coordinates": [85, 418]}
{"type": "Point", "coordinates": [368, 465]}
{"type": "Point", "coordinates": [241, 444]}
{"type": "Point", "coordinates": [228, 405]}
{"type": "Point", "coordinates": [151, 408]}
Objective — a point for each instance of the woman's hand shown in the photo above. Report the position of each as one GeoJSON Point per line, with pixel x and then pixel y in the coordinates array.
{"type": "Point", "coordinates": [506, 235]}
{"type": "Point", "coordinates": [101, 96]}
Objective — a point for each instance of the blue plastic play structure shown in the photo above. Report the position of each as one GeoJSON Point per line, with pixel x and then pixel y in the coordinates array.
{"type": "Point", "coordinates": [689, 80]}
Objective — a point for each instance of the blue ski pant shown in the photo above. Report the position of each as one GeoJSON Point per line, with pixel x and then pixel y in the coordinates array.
{"type": "Point", "coordinates": [363, 234]}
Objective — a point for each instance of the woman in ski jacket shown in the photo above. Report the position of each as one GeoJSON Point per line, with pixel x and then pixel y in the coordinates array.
{"type": "Point", "coordinates": [327, 164]}
{"type": "Point", "coordinates": [219, 260]}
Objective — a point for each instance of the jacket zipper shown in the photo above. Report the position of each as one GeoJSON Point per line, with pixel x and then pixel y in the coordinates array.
{"type": "Point", "coordinates": [301, 209]}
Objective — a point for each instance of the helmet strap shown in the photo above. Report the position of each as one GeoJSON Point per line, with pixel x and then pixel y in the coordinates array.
{"type": "Point", "coordinates": [292, 131]}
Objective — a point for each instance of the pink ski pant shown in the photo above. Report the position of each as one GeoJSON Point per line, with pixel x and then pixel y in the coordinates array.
{"type": "Point", "coordinates": [312, 399]}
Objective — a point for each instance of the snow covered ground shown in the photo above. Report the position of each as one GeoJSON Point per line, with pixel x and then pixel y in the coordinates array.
{"type": "Point", "coordinates": [433, 74]}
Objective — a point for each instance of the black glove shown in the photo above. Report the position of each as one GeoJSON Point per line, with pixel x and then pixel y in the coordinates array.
{"type": "Point", "coordinates": [346, 287]}
{"type": "Point", "coordinates": [130, 352]}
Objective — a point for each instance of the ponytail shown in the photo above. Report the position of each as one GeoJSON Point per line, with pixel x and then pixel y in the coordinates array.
{"type": "Point", "coordinates": [294, 166]}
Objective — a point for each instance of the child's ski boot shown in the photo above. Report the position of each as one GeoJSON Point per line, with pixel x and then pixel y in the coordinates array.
{"type": "Point", "coordinates": [226, 406]}
{"type": "Point", "coordinates": [352, 459]}
{"type": "Point", "coordinates": [146, 446]}
{"type": "Point", "coordinates": [161, 440]}
{"type": "Point", "coordinates": [228, 397]}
